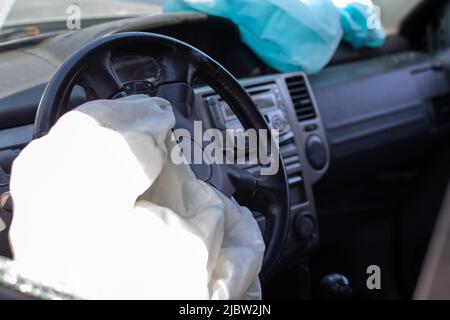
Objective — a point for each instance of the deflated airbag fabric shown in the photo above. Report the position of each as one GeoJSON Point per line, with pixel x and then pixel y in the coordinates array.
{"type": "Point", "coordinates": [290, 35]}
{"type": "Point", "coordinates": [102, 212]}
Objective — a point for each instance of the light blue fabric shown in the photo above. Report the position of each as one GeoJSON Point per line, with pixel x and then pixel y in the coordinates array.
{"type": "Point", "coordinates": [361, 25]}
{"type": "Point", "coordinates": [289, 35]}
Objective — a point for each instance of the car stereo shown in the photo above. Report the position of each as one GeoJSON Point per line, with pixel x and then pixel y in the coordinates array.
{"type": "Point", "coordinates": [268, 99]}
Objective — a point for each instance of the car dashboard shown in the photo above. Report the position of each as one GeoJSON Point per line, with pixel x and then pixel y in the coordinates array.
{"type": "Point", "coordinates": [332, 124]}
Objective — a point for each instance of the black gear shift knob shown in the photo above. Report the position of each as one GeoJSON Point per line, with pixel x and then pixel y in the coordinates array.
{"type": "Point", "coordinates": [335, 287]}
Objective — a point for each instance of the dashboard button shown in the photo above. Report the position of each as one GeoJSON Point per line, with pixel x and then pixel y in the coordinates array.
{"type": "Point", "coordinates": [311, 127]}
{"type": "Point", "coordinates": [305, 226]}
{"type": "Point", "coordinates": [278, 122]}
{"type": "Point", "coordinates": [316, 152]}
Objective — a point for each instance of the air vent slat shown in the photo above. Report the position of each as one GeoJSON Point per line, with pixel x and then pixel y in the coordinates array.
{"type": "Point", "coordinates": [306, 111]}
{"type": "Point", "coordinates": [305, 116]}
{"type": "Point", "coordinates": [296, 88]}
{"type": "Point", "coordinates": [301, 98]}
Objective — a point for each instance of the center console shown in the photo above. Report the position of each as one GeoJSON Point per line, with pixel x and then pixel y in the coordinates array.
{"type": "Point", "coordinates": [287, 103]}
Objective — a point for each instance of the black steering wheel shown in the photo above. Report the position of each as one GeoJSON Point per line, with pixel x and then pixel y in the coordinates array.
{"type": "Point", "coordinates": [179, 64]}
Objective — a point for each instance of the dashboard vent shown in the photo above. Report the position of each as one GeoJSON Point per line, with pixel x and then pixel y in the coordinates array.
{"type": "Point", "coordinates": [301, 98]}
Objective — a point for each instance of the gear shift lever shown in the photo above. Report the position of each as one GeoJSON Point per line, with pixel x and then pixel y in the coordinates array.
{"type": "Point", "coordinates": [335, 287]}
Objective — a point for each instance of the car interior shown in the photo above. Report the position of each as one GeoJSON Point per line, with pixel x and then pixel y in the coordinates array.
{"type": "Point", "coordinates": [364, 142]}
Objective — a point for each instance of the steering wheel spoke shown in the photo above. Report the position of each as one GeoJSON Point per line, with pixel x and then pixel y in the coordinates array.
{"type": "Point", "coordinates": [256, 192]}
{"type": "Point", "coordinates": [99, 79]}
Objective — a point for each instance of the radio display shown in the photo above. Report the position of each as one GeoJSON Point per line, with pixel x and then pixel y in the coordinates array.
{"type": "Point", "coordinates": [263, 102]}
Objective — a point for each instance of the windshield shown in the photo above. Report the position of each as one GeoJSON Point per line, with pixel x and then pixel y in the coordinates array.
{"type": "Point", "coordinates": [19, 18]}
{"type": "Point", "coordinates": [393, 12]}
{"type": "Point", "coordinates": [14, 12]}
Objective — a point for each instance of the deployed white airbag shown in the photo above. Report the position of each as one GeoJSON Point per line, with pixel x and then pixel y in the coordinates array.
{"type": "Point", "coordinates": [102, 212]}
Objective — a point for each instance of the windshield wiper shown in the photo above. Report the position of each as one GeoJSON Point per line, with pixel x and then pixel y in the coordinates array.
{"type": "Point", "coordinates": [13, 33]}
{"type": "Point", "coordinates": [17, 39]}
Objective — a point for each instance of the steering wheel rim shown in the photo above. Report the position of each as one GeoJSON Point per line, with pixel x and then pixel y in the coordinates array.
{"type": "Point", "coordinates": [179, 65]}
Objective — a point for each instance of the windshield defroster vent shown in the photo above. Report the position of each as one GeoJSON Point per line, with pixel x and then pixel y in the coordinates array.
{"type": "Point", "coordinates": [301, 98]}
